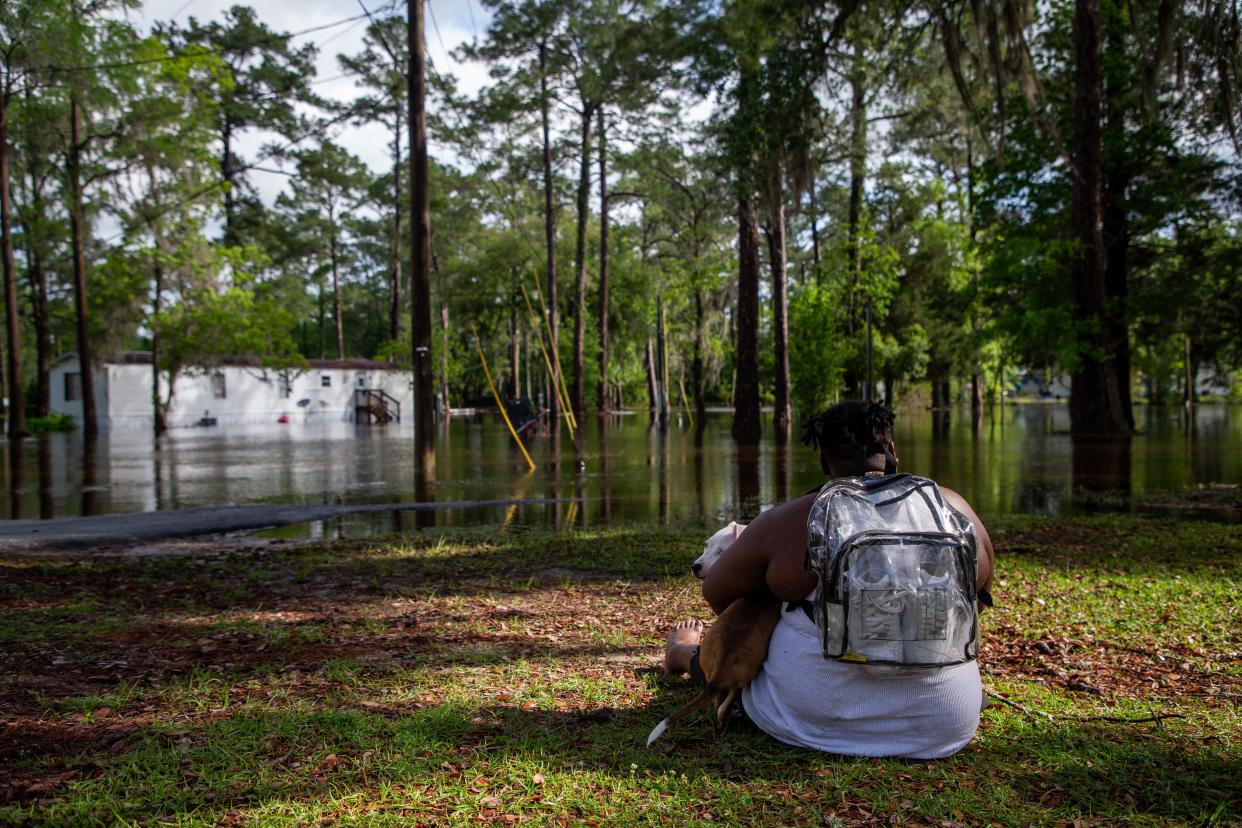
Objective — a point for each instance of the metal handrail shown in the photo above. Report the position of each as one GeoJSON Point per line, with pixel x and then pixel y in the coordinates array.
{"type": "Point", "coordinates": [387, 400]}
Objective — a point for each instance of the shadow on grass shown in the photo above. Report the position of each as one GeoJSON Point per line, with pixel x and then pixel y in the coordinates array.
{"type": "Point", "coordinates": [1117, 771]}
{"type": "Point", "coordinates": [140, 630]}
{"type": "Point", "coordinates": [116, 619]}
{"type": "Point", "coordinates": [451, 758]}
{"type": "Point", "coordinates": [1109, 545]}
{"type": "Point", "coordinates": [462, 563]}
{"type": "Point", "coordinates": [78, 594]}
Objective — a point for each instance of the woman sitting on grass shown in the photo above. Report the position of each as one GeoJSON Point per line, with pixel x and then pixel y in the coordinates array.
{"type": "Point", "coordinates": [802, 698]}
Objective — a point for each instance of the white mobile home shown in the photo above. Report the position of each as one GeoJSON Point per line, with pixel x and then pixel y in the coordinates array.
{"type": "Point", "coordinates": [237, 392]}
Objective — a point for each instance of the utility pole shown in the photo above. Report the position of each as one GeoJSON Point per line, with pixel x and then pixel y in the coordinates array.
{"type": "Point", "coordinates": [420, 244]}
{"type": "Point", "coordinates": [869, 388]}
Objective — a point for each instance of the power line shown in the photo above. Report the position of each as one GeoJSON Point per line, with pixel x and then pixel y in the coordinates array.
{"type": "Point", "coordinates": [470, 10]}
{"type": "Point", "coordinates": [184, 6]}
{"type": "Point", "coordinates": [318, 129]}
{"type": "Point", "coordinates": [431, 8]}
{"type": "Point", "coordinates": [341, 33]}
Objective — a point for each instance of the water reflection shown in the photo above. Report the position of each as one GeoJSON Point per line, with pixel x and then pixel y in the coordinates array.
{"type": "Point", "coordinates": [662, 467]}
{"type": "Point", "coordinates": [17, 476]}
{"type": "Point", "coordinates": [1022, 459]}
{"type": "Point", "coordinates": [90, 475]}
{"type": "Point", "coordinates": [47, 508]}
{"type": "Point", "coordinates": [605, 468]}
{"type": "Point", "coordinates": [748, 489]}
{"type": "Point", "coordinates": [1102, 471]}
{"type": "Point", "coordinates": [700, 484]}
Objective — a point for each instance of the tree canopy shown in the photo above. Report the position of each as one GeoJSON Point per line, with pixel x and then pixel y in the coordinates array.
{"type": "Point", "coordinates": [755, 201]}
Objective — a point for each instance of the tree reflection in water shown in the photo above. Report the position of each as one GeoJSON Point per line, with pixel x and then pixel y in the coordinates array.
{"type": "Point", "coordinates": [685, 474]}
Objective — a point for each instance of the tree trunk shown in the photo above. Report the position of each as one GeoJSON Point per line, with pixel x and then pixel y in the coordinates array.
{"type": "Point", "coordinates": [858, 177]}
{"type": "Point", "coordinates": [420, 256]}
{"type": "Point", "coordinates": [319, 305]}
{"type": "Point", "coordinates": [444, 355]}
{"type": "Point", "coordinates": [976, 399]}
{"type": "Point", "coordinates": [652, 405]}
{"type": "Point", "coordinates": [77, 221]}
{"type": "Point", "coordinates": [515, 379]}
{"type": "Point", "coordinates": [1095, 401]}
{"type": "Point", "coordinates": [549, 225]}
{"type": "Point", "coordinates": [394, 307]}
{"type": "Point", "coordinates": [814, 227]}
{"type": "Point", "coordinates": [1188, 374]}
{"type": "Point", "coordinates": [226, 174]}
{"type": "Point", "coordinates": [17, 408]}
{"type": "Point", "coordinates": [604, 402]}
{"type": "Point", "coordinates": [780, 316]}
{"type": "Point", "coordinates": [696, 367]}
{"type": "Point", "coordinates": [998, 78]}
{"type": "Point", "coordinates": [158, 423]}
{"type": "Point", "coordinates": [43, 346]}
{"type": "Point", "coordinates": [662, 361]}
{"type": "Point", "coordinates": [336, 292]}
{"type": "Point", "coordinates": [577, 389]}
{"type": "Point", "coordinates": [38, 283]}
{"type": "Point", "coordinates": [746, 425]}
{"type": "Point", "coordinates": [1116, 220]}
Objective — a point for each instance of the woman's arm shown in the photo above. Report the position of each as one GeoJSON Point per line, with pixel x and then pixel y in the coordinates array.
{"type": "Point", "coordinates": [768, 557]}
{"type": "Point", "coordinates": [986, 564]}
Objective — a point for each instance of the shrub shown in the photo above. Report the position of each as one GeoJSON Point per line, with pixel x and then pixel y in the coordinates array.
{"type": "Point", "coordinates": [50, 423]}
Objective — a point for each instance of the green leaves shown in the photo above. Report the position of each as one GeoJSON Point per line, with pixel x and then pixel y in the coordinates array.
{"type": "Point", "coordinates": [232, 316]}
{"type": "Point", "coordinates": [818, 351]}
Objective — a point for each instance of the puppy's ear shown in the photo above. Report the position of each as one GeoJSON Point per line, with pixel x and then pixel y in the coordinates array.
{"type": "Point", "coordinates": [737, 528]}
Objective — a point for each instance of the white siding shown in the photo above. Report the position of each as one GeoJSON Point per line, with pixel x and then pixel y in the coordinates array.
{"type": "Point", "coordinates": [129, 394]}
{"type": "Point", "coordinates": [252, 395]}
{"type": "Point", "coordinates": [73, 408]}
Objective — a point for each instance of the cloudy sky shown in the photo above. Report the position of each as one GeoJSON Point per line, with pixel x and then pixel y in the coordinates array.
{"type": "Point", "coordinates": [449, 24]}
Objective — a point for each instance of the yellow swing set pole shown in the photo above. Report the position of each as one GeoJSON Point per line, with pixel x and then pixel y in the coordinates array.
{"type": "Point", "coordinates": [556, 353]}
{"type": "Point", "coordinates": [488, 374]}
{"type": "Point", "coordinates": [685, 401]}
{"type": "Point", "coordinates": [556, 386]}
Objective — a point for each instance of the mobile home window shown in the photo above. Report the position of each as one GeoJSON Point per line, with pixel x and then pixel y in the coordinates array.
{"type": "Point", "coordinates": [325, 380]}
{"type": "Point", "coordinates": [73, 387]}
{"type": "Point", "coordinates": [217, 386]}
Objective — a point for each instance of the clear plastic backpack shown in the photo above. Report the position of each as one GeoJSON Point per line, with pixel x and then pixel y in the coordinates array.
{"type": "Point", "coordinates": [896, 570]}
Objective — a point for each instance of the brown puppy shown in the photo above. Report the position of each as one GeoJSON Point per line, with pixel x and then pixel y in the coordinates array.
{"type": "Point", "coordinates": [731, 653]}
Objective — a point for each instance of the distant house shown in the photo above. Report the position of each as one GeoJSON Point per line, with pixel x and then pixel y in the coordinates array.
{"type": "Point", "coordinates": [237, 392]}
{"type": "Point", "coordinates": [1042, 386]}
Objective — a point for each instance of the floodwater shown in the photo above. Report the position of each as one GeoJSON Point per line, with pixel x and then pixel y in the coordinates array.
{"type": "Point", "coordinates": [1020, 458]}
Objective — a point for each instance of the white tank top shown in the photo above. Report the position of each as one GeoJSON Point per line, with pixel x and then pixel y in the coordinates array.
{"type": "Point", "coordinates": [801, 698]}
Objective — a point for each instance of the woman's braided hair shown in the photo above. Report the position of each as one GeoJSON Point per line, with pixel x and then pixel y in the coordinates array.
{"type": "Point", "coordinates": [840, 430]}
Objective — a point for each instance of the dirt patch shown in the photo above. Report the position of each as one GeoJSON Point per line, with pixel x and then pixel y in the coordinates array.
{"type": "Point", "coordinates": [1108, 670]}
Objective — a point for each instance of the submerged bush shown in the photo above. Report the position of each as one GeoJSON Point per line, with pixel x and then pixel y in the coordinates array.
{"type": "Point", "coordinates": [50, 423]}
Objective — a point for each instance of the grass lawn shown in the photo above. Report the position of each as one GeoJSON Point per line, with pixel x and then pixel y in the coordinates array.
{"type": "Point", "coordinates": [508, 677]}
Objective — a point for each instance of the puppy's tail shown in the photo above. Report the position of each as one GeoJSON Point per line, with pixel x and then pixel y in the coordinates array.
{"type": "Point", "coordinates": [699, 700]}
{"type": "Point", "coordinates": [722, 709]}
